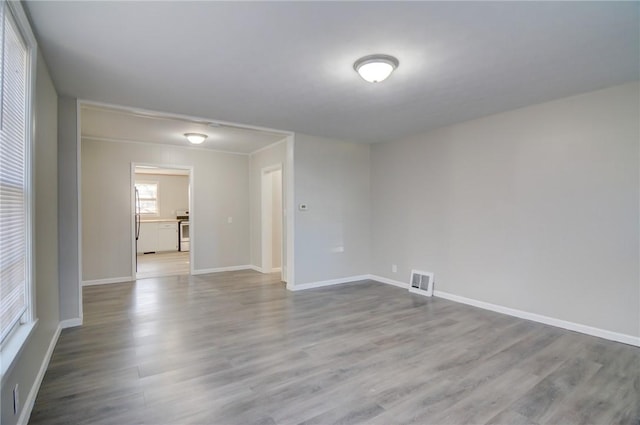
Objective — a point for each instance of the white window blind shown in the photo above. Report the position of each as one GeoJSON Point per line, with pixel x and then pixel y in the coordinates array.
{"type": "Point", "coordinates": [148, 201]}
{"type": "Point", "coordinates": [14, 176]}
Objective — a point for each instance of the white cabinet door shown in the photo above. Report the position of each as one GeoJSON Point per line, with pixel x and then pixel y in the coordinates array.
{"type": "Point", "coordinates": [148, 240]}
{"type": "Point", "coordinates": [168, 237]}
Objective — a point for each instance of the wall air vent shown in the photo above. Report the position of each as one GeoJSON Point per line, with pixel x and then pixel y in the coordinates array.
{"type": "Point", "coordinates": [421, 283]}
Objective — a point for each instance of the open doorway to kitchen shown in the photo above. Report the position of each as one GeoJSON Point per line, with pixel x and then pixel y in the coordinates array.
{"type": "Point", "coordinates": [272, 210]}
{"type": "Point", "coordinates": [113, 140]}
{"type": "Point", "coordinates": [161, 236]}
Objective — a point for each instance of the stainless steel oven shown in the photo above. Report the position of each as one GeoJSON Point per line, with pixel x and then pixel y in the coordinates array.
{"type": "Point", "coordinates": [184, 243]}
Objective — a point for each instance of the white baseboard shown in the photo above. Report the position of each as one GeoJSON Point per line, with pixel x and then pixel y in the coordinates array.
{"type": "Point", "coordinates": [261, 270]}
{"type": "Point", "coordinates": [222, 269]}
{"type": "Point", "coordinates": [108, 280]}
{"type": "Point", "coordinates": [389, 281]}
{"type": "Point", "coordinates": [322, 283]}
{"type": "Point", "coordinates": [71, 323]}
{"type": "Point", "coordinates": [577, 327]}
{"type": "Point", "coordinates": [23, 419]}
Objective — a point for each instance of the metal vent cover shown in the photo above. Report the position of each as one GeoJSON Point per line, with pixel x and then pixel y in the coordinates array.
{"type": "Point", "coordinates": [421, 283]}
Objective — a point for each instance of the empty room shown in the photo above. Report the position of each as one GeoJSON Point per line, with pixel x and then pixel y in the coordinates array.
{"type": "Point", "coordinates": [319, 212]}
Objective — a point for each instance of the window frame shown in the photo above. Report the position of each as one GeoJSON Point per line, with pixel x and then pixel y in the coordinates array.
{"type": "Point", "coordinates": [12, 345]}
{"type": "Point", "coordinates": [156, 199]}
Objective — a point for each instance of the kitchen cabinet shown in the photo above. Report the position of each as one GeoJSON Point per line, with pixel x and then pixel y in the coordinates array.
{"type": "Point", "coordinates": [168, 236]}
{"type": "Point", "coordinates": [148, 239]}
{"type": "Point", "coordinates": [158, 236]}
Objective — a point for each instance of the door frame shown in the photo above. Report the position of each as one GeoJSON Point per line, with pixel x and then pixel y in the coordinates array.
{"type": "Point", "coordinates": [266, 218]}
{"type": "Point", "coordinates": [188, 168]}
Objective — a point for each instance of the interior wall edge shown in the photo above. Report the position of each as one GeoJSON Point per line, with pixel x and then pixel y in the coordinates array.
{"type": "Point", "coordinates": [23, 419]}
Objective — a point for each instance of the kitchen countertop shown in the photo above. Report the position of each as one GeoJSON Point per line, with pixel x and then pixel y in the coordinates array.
{"type": "Point", "coordinates": [159, 220]}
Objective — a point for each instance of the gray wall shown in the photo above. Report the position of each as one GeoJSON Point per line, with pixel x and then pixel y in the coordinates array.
{"type": "Point", "coordinates": [173, 193]}
{"type": "Point", "coordinates": [220, 190]}
{"type": "Point", "coordinates": [332, 237]}
{"type": "Point", "coordinates": [534, 209]}
{"type": "Point", "coordinates": [46, 247]}
{"type": "Point", "coordinates": [68, 216]}
{"type": "Point", "coordinates": [273, 155]}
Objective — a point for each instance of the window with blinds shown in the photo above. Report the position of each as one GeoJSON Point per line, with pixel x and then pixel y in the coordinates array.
{"type": "Point", "coordinates": [148, 198]}
{"type": "Point", "coordinates": [15, 183]}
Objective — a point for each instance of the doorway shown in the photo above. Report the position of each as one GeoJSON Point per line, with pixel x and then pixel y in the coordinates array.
{"type": "Point", "coordinates": [162, 221]}
{"type": "Point", "coordinates": [272, 209]}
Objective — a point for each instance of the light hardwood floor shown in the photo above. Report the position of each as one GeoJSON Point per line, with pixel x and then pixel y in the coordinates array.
{"type": "Point", "coordinates": [163, 264]}
{"type": "Point", "coordinates": [238, 348]}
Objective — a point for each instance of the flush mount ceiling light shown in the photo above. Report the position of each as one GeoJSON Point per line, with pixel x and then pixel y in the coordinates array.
{"type": "Point", "coordinates": [195, 138]}
{"type": "Point", "coordinates": [375, 68]}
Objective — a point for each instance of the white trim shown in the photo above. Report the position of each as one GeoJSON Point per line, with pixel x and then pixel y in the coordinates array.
{"type": "Point", "coordinates": [192, 217]}
{"type": "Point", "coordinates": [189, 118]}
{"type": "Point", "coordinates": [331, 282]}
{"type": "Point", "coordinates": [23, 419]}
{"type": "Point", "coordinates": [71, 323]}
{"type": "Point", "coordinates": [572, 326]}
{"type": "Point", "coordinates": [79, 193]}
{"type": "Point", "coordinates": [108, 281]}
{"type": "Point", "coordinates": [589, 330]}
{"type": "Point", "coordinates": [223, 269]}
{"type": "Point", "coordinates": [14, 344]}
{"type": "Point", "coordinates": [266, 215]}
{"type": "Point", "coordinates": [192, 220]}
{"type": "Point", "coordinates": [22, 332]}
{"type": "Point", "coordinates": [288, 269]}
{"type": "Point", "coordinates": [272, 145]}
{"type": "Point", "coordinates": [157, 198]}
{"type": "Point", "coordinates": [132, 211]}
{"type": "Point", "coordinates": [381, 279]}
{"type": "Point", "coordinates": [139, 142]}
{"type": "Point", "coordinates": [259, 269]}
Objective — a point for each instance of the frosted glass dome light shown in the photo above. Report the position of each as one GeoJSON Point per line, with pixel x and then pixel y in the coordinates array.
{"type": "Point", "coordinates": [195, 138]}
{"type": "Point", "coordinates": [375, 68]}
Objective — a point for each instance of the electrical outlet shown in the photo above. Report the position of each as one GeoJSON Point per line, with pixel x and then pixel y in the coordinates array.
{"type": "Point", "coordinates": [229, 220]}
{"type": "Point", "coordinates": [16, 399]}
{"type": "Point", "coordinates": [394, 268]}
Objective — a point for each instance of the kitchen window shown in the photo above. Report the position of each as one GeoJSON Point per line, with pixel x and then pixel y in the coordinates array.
{"type": "Point", "coordinates": [148, 197]}
{"type": "Point", "coordinates": [18, 55]}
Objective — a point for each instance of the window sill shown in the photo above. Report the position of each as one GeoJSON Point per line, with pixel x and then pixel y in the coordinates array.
{"type": "Point", "coordinates": [13, 346]}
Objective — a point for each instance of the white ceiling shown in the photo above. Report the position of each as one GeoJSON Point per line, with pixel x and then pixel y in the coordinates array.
{"type": "Point", "coordinates": [288, 65]}
{"type": "Point", "coordinates": [110, 124]}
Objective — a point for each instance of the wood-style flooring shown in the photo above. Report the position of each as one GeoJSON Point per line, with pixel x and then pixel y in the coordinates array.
{"type": "Point", "coordinates": [238, 348]}
{"type": "Point", "coordinates": [163, 264]}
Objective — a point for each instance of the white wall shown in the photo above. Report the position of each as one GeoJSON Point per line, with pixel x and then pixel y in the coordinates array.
{"type": "Point", "coordinates": [276, 218]}
{"type": "Point", "coordinates": [220, 190]}
{"type": "Point", "coordinates": [275, 154]}
{"type": "Point", "coordinates": [332, 237]}
{"type": "Point", "coordinates": [173, 193]}
{"type": "Point", "coordinates": [535, 209]}
{"type": "Point", "coordinates": [28, 364]}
